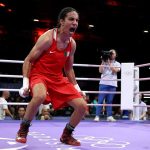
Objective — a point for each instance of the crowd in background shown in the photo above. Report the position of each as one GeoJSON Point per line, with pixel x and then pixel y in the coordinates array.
{"type": "Point", "coordinates": [46, 112]}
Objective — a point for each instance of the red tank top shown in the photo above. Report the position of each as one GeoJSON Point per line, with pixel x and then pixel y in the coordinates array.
{"type": "Point", "coordinates": [52, 61]}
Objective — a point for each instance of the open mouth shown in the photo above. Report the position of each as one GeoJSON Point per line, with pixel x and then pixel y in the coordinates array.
{"type": "Point", "coordinates": [72, 29]}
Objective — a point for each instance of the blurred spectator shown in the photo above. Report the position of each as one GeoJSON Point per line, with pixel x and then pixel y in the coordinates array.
{"type": "Point", "coordinates": [42, 106]}
{"type": "Point", "coordinates": [21, 113]}
{"type": "Point", "coordinates": [4, 107]}
{"type": "Point", "coordinates": [93, 108]}
{"type": "Point", "coordinates": [45, 114]}
{"type": "Point", "coordinates": [148, 114]}
{"type": "Point", "coordinates": [142, 109]}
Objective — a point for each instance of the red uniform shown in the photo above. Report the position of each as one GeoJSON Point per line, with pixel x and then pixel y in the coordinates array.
{"type": "Point", "coordinates": [48, 69]}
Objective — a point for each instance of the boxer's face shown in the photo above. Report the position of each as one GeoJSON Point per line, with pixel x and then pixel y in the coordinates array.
{"type": "Point", "coordinates": [70, 23]}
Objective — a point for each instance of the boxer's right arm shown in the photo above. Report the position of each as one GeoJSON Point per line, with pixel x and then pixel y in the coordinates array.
{"type": "Point", "coordinates": [42, 44]}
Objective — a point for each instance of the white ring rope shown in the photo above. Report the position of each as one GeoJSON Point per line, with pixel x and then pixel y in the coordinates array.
{"type": "Point", "coordinates": [85, 65]}
{"type": "Point", "coordinates": [147, 94]}
{"type": "Point", "coordinates": [11, 76]}
{"type": "Point", "coordinates": [21, 62]}
{"type": "Point", "coordinates": [90, 92]}
{"type": "Point", "coordinates": [142, 79]}
{"type": "Point", "coordinates": [143, 92]}
{"type": "Point", "coordinates": [11, 90]}
{"type": "Point", "coordinates": [134, 105]}
{"type": "Point", "coordinates": [117, 105]}
{"type": "Point", "coordinates": [80, 65]}
{"type": "Point", "coordinates": [143, 65]}
{"type": "Point", "coordinates": [11, 61]}
{"type": "Point", "coordinates": [77, 78]}
{"type": "Point", "coordinates": [16, 90]}
{"type": "Point", "coordinates": [97, 79]}
{"type": "Point", "coordinates": [102, 92]}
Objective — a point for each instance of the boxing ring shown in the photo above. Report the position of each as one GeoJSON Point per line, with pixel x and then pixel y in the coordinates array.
{"type": "Point", "coordinates": [45, 134]}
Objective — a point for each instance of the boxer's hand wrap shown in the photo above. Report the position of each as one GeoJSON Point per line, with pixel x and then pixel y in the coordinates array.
{"type": "Point", "coordinates": [25, 87]}
{"type": "Point", "coordinates": [77, 87]}
{"type": "Point", "coordinates": [79, 90]}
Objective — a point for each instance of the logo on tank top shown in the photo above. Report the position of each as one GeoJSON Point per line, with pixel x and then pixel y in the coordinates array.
{"type": "Point", "coordinates": [51, 52]}
{"type": "Point", "coordinates": [66, 54]}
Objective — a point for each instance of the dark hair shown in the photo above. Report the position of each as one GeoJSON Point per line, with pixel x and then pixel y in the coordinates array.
{"type": "Point", "coordinates": [63, 13]}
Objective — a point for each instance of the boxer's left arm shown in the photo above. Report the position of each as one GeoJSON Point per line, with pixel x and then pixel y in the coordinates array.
{"type": "Point", "coordinates": [69, 71]}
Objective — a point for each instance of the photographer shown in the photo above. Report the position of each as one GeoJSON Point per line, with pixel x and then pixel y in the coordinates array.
{"type": "Point", "coordinates": [108, 69]}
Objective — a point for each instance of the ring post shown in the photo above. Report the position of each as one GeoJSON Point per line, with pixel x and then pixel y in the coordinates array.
{"type": "Point", "coordinates": [127, 84]}
{"type": "Point", "coordinates": [136, 96]}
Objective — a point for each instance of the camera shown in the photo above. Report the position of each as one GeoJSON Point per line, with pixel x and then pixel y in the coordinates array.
{"type": "Point", "coordinates": [106, 55]}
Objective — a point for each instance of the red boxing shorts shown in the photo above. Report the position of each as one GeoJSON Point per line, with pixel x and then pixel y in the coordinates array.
{"type": "Point", "coordinates": [60, 90]}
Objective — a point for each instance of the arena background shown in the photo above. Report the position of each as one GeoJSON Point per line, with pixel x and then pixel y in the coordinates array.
{"type": "Point", "coordinates": [122, 25]}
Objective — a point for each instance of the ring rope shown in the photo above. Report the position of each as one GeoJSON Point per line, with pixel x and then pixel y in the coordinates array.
{"type": "Point", "coordinates": [143, 65]}
{"type": "Point", "coordinates": [147, 94]}
{"type": "Point", "coordinates": [21, 62]}
{"type": "Point", "coordinates": [11, 61]}
{"type": "Point", "coordinates": [92, 92]}
{"type": "Point", "coordinates": [80, 65]}
{"type": "Point", "coordinates": [16, 90]}
{"type": "Point", "coordinates": [103, 92]}
{"type": "Point", "coordinates": [11, 76]}
{"type": "Point", "coordinates": [77, 78]}
{"type": "Point", "coordinates": [134, 105]}
{"type": "Point", "coordinates": [11, 90]}
{"type": "Point", "coordinates": [142, 92]}
{"type": "Point", "coordinates": [142, 79]}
